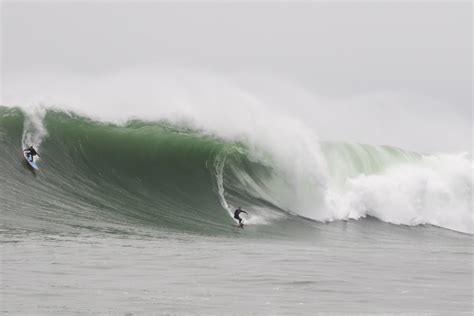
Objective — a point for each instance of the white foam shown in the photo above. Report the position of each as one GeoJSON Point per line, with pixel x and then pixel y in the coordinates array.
{"type": "Point", "coordinates": [436, 190]}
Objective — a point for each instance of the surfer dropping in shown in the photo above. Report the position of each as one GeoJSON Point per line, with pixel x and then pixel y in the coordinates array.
{"type": "Point", "coordinates": [237, 215]}
{"type": "Point", "coordinates": [30, 153]}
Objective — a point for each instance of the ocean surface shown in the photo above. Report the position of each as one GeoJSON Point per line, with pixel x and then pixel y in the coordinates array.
{"type": "Point", "coordinates": [136, 218]}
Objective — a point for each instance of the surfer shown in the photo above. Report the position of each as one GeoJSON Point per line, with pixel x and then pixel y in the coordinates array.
{"type": "Point", "coordinates": [237, 215]}
{"type": "Point", "coordinates": [30, 153]}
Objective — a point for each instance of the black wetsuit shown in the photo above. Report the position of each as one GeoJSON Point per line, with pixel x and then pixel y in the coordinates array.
{"type": "Point", "coordinates": [31, 152]}
{"type": "Point", "coordinates": [237, 215]}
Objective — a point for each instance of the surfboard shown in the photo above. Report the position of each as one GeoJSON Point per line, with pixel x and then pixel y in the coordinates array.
{"type": "Point", "coordinates": [32, 162]}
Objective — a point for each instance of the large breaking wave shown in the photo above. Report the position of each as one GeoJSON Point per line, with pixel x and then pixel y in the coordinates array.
{"type": "Point", "coordinates": [181, 175]}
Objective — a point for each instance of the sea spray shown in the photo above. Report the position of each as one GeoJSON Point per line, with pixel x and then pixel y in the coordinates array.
{"type": "Point", "coordinates": [34, 130]}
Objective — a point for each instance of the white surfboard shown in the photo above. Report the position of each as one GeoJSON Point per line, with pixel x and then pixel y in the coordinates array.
{"type": "Point", "coordinates": [31, 162]}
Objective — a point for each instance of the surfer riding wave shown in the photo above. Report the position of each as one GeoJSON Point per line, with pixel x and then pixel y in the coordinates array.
{"type": "Point", "coordinates": [237, 215]}
{"type": "Point", "coordinates": [30, 153]}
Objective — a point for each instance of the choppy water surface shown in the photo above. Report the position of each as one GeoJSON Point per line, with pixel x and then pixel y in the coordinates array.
{"type": "Point", "coordinates": [342, 269]}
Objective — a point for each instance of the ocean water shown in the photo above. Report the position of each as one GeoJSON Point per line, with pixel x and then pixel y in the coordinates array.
{"type": "Point", "coordinates": [135, 217]}
{"type": "Point", "coordinates": [343, 269]}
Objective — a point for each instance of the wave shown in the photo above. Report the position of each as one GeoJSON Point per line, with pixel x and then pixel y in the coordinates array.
{"type": "Point", "coordinates": [179, 176]}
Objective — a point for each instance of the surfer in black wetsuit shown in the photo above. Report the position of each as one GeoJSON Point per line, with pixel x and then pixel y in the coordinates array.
{"type": "Point", "coordinates": [237, 215]}
{"type": "Point", "coordinates": [30, 153]}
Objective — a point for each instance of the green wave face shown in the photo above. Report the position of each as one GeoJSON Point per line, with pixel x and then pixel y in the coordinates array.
{"type": "Point", "coordinates": [351, 160]}
{"type": "Point", "coordinates": [148, 173]}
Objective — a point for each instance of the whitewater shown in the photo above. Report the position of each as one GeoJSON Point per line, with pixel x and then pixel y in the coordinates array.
{"type": "Point", "coordinates": [139, 168]}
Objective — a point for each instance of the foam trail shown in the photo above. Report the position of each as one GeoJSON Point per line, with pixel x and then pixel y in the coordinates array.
{"type": "Point", "coordinates": [258, 216]}
{"type": "Point", "coordinates": [219, 170]}
{"type": "Point", "coordinates": [33, 128]}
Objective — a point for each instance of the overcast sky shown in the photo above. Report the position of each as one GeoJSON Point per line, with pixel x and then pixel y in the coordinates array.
{"type": "Point", "coordinates": [331, 49]}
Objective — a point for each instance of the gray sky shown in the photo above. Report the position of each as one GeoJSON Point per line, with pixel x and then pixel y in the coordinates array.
{"type": "Point", "coordinates": [331, 49]}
